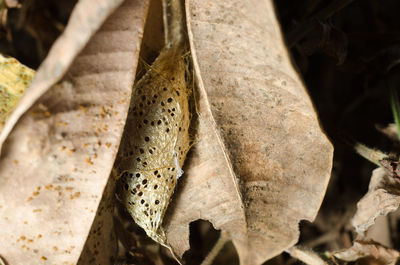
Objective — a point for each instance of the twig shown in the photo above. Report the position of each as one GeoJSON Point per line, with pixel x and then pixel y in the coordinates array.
{"type": "Point", "coordinates": [370, 154]}
{"type": "Point", "coordinates": [223, 238]}
{"type": "Point", "coordinates": [307, 256]}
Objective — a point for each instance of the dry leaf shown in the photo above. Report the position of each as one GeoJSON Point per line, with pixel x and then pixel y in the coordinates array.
{"type": "Point", "coordinates": [85, 20]}
{"type": "Point", "coordinates": [361, 249]}
{"type": "Point", "coordinates": [261, 163]}
{"type": "Point", "coordinates": [101, 244]}
{"type": "Point", "coordinates": [381, 199]}
{"type": "Point", "coordinates": [57, 160]}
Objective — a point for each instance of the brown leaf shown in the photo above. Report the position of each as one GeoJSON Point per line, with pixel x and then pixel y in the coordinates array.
{"type": "Point", "coordinates": [58, 158]}
{"type": "Point", "coordinates": [101, 244]}
{"type": "Point", "coordinates": [261, 163]}
{"type": "Point", "coordinates": [381, 199]}
{"type": "Point", "coordinates": [85, 20]}
{"type": "Point", "coordinates": [368, 248]}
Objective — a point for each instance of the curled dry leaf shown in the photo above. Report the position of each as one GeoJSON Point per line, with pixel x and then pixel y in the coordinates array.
{"type": "Point", "coordinates": [382, 198]}
{"type": "Point", "coordinates": [57, 160]}
{"type": "Point", "coordinates": [261, 163]}
{"type": "Point", "coordinates": [361, 249]}
{"type": "Point", "coordinates": [85, 20]}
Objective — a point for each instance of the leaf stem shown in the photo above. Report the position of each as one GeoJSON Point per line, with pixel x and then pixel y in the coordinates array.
{"type": "Point", "coordinates": [223, 238]}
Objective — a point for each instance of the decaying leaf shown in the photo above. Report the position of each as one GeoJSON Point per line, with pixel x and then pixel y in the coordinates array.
{"type": "Point", "coordinates": [14, 79]}
{"type": "Point", "coordinates": [261, 163]}
{"type": "Point", "coordinates": [85, 20]}
{"type": "Point", "coordinates": [57, 160]}
{"type": "Point", "coordinates": [382, 198]}
{"type": "Point", "coordinates": [368, 248]}
{"type": "Point", "coordinates": [101, 244]}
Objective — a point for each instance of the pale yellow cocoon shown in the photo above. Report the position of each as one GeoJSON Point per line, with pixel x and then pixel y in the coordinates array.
{"type": "Point", "coordinates": [155, 141]}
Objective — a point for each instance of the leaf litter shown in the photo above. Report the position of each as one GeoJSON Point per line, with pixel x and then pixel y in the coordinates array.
{"type": "Point", "coordinates": [256, 126]}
